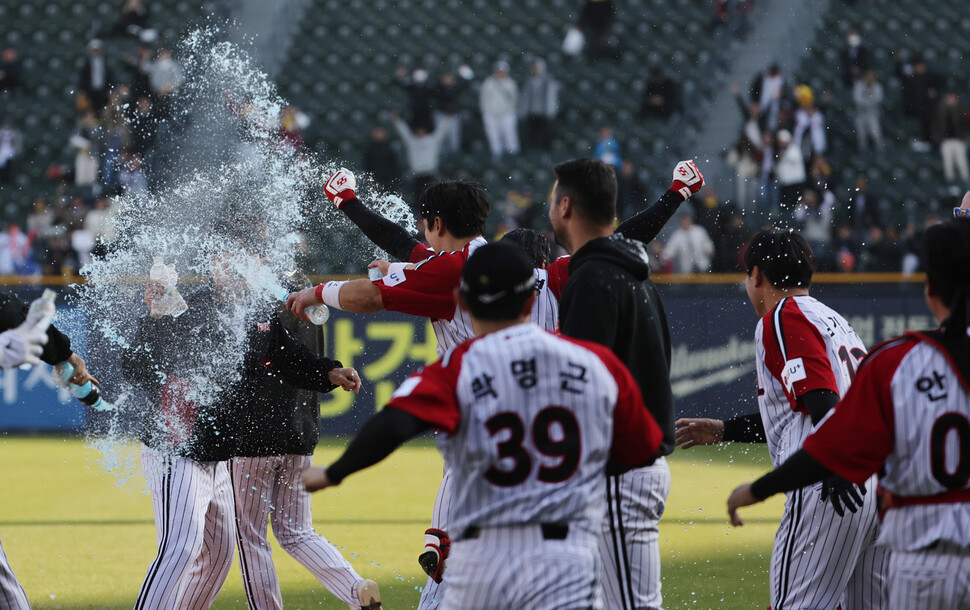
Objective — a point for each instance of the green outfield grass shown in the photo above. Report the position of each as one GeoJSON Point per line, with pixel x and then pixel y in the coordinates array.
{"type": "Point", "coordinates": [78, 539]}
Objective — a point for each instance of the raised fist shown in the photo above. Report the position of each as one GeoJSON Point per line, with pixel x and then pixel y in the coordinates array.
{"type": "Point", "coordinates": [687, 179]}
{"type": "Point", "coordinates": [340, 187]}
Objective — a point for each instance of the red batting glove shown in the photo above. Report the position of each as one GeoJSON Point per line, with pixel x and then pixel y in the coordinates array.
{"type": "Point", "coordinates": [687, 179]}
{"type": "Point", "coordinates": [340, 187]}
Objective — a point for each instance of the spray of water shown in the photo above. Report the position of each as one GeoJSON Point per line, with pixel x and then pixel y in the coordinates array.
{"type": "Point", "coordinates": [222, 165]}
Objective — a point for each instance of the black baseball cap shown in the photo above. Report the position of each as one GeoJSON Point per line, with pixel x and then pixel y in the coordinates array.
{"type": "Point", "coordinates": [496, 281]}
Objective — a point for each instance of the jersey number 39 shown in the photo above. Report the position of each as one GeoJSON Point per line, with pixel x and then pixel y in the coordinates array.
{"type": "Point", "coordinates": [566, 446]}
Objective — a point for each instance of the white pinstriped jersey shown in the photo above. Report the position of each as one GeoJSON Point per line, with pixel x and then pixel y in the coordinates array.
{"type": "Point", "coordinates": [801, 345]}
{"type": "Point", "coordinates": [531, 419]}
{"type": "Point", "coordinates": [545, 312]}
{"type": "Point", "coordinates": [908, 413]}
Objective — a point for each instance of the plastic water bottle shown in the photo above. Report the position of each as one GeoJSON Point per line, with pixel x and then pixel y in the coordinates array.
{"type": "Point", "coordinates": [171, 303]}
{"type": "Point", "coordinates": [318, 314]}
{"type": "Point", "coordinates": [41, 310]}
{"type": "Point", "coordinates": [88, 393]}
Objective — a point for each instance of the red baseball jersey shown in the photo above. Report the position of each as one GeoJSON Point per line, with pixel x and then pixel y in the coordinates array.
{"type": "Point", "coordinates": [530, 419]}
{"type": "Point", "coordinates": [907, 415]}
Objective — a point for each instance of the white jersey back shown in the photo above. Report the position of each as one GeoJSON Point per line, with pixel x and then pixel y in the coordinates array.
{"type": "Point", "coordinates": [545, 312]}
{"type": "Point", "coordinates": [802, 345]}
{"type": "Point", "coordinates": [535, 435]}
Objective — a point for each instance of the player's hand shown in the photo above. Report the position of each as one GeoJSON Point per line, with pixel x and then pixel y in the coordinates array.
{"type": "Point", "coordinates": [692, 431]}
{"type": "Point", "coordinates": [842, 494]}
{"type": "Point", "coordinates": [340, 187]}
{"type": "Point", "coordinates": [315, 479]}
{"type": "Point", "coordinates": [687, 179]}
{"type": "Point", "coordinates": [381, 265]}
{"type": "Point", "coordinates": [347, 378]}
{"type": "Point", "coordinates": [22, 345]}
{"type": "Point", "coordinates": [741, 496]}
{"type": "Point", "coordinates": [154, 291]}
{"type": "Point", "coordinates": [298, 301]}
{"type": "Point", "coordinates": [81, 374]}
{"type": "Point", "coordinates": [437, 547]}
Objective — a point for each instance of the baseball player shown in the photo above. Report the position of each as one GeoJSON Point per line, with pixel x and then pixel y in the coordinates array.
{"type": "Point", "coordinates": [529, 421]}
{"type": "Point", "coordinates": [807, 356]}
{"type": "Point", "coordinates": [906, 417]}
{"type": "Point", "coordinates": [20, 343]}
{"type": "Point", "coordinates": [276, 434]}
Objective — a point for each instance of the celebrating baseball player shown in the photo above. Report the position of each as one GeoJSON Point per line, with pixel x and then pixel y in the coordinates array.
{"type": "Point", "coordinates": [807, 355]}
{"type": "Point", "coordinates": [906, 417]}
{"type": "Point", "coordinates": [529, 420]}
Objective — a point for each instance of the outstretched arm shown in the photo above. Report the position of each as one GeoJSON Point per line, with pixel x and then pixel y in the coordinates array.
{"type": "Point", "coordinates": [799, 470]}
{"type": "Point", "coordinates": [647, 224]}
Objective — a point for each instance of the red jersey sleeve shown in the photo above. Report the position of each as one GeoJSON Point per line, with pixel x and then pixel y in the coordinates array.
{"type": "Point", "coordinates": [420, 253]}
{"type": "Point", "coordinates": [427, 290]}
{"type": "Point", "coordinates": [857, 436]}
{"type": "Point", "coordinates": [429, 395]}
{"type": "Point", "coordinates": [795, 353]}
{"type": "Point", "coordinates": [558, 275]}
{"type": "Point", "coordinates": [636, 435]}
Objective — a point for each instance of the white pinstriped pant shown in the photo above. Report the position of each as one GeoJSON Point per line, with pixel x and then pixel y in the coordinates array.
{"type": "Point", "coordinates": [930, 580]}
{"type": "Point", "coordinates": [194, 525]}
{"type": "Point", "coordinates": [12, 595]}
{"type": "Point", "coordinates": [515, 567]}
{"type": "Point", "coordinates": [821, 560]}
{"type": "Point", "coordinates": [272, 488]}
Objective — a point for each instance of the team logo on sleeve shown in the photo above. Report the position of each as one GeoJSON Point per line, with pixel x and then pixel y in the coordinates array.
{"type": "Point", "coordinates": [394, 278]}
{"type": "Point", "coordinates": [794, 371]}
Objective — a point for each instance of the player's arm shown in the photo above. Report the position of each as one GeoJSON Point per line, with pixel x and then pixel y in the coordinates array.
{"type": "Point", "coordinates": [358, 296]}
{"type": "Point", "coordinates": [646, 225]}
{"type": "Point", "coordinates": [386, 235]}
{"type": "Point", "coordinates": [300, 367]}
{"type": "Point", "coordinates": [799, 470]}
{"type": "Point", "coordinates": [692, 431]}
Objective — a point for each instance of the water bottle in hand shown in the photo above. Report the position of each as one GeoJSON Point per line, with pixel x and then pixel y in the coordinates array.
{"type": "Point", "coordinates": [88, 393]}
{"type": "Point", "coordinates": [171, 302]}
{"type": "Point", "coordinates": [41, 310]}
{"type": "Point", "coordinates": [318, 314]}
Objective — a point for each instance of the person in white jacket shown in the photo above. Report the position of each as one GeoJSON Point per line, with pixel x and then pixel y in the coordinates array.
{"type": "Point", "coordinates": [789, 170]}
{"type": "Point", "coordinates": [498, 100]}
{"type": "Point", "coordinates": [689, 248]}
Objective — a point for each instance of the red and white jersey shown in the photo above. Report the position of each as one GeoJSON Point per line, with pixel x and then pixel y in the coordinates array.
{"type": "Point", "coordinates": [801, 345]}
{"type": "Point", "coordinates": [530, 419]}
{"type": "Point", "coordinates": [549, 284]}
{"type": "Point", "coordinates": [908, 415]}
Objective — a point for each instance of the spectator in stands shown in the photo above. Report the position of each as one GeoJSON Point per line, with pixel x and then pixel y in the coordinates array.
{"type": "Point", "coordinates": [660, 97]}
{"type": "Point", "coordinates": [538, 105]}
{"type": "Point", "coordinates": [922, 89]}
{"type": "Point", "coordinates": [846, 249]}
{"type": "Point", "coordinates": [15, 253]}
{"type": "Point", "coordinates": [855, 58]}
{"type": "Point", "coordinates": [137, 66]}
{"type": "Point", "coordinates": [768, 90]}
{"type": "Point", "coordinates": [950, 134]}
{"type": "Point", "coordinates": [11, 71]}
{"type": "Point", "coordinates": [381, 160]}
{"type": "Point", "coordinates": [883, 253]}
{"type": "Point", "coordinates": [11, 146]}
{"type": "Point", "coordinates": [86, 142]}
{"type": "Point", "coordinates": [292, 123]}
{"type": "Point", "coordinates": [95, 79]}
{"type": "Point", "coordinates": [98, 219]}
{"type": "Point", "coordinates": [133, 22]}
{"type": "Point", "coordinates": [165, 74]}
{"type": "Point", "coordinates": [862, 210]}
{"type": "Point", "coordinates": [421, 94]}
{"type": "Point", "coordinates": [423, 154]}
{"type": "Point", "coordinates": [809, 134]}
{"type": "Point", "coordinates": [768, 187]}
{"type": "Point", "coordinates": [607, 149]}
{"type": "Point", "coordinates": [814, 217]}
{"type": "Point", "coordinates": [132, 176]}
{"type": "Point", "coordinates": [142, 124]}
{"type": "Point", "coordinates": [745, 158]}
{"type": "Point", "coordinates": [689, 247]}
{"type": "Point", "coordinates": [498, 99]}
{"type": "Point", "coordinates": [596, 23]}
{"type": "Point", "coordinates": [867, 94]}
{"type": "Point", "coordinates": [734, 14]}
{"type": "Point", "coordinates": [61, 259]}
{"type": "Point", "coordinates": [733, 238]}
{"type": "Point", "coordinates": [631, 193]}
{"type": "Point", "coordinates": [709, 213]}
{"type": "Point", "coordinates": [448, 116]}
{"type": "Point", "coordinates": [789, 170]}
{"type": "Point", "coordinates": [41, 219]}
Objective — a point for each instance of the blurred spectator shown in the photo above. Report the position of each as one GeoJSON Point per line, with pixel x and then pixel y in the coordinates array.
{"type": "Point", "coordinates": [381, 160]}
{"type": "Point", "coordinates": [732, 239]}
{"type": "Point", "coordinates": [950, 133]}
{"type": "Point", "coordinates": [448, 116]}
{"type": "Point", "coordinates": [789, 170]}
{"type": "Point", "coordinates": [659, 96]}
{"type": "Point", "coordinates": [421, 94]}
{"type": "Point", "coordinates": [630, 190]}
{"type": "Point", "coordinates": [921, 93]}
{"type": "Point", "coordinates": [61, 259]}
{"type": "Point", "coordinates": [423, 154]}
{"type": "Point", "coordinates": [292, 124]}
{"type": "Point", "coordinates": [132, 176]}
{"type": "Point", "coordinates": [846, 249]}
{"type": "Point", "coordinates": [538, 105]}
{"type": "Point", "coordinates": [658, 264]}
{"type": "Point", "coordinates": [809, 134]}
{"type": "Point", "coordinates": [596, 23]}
{"type": "Point", "coordinates": [745, 158]}
{"type": "Point", "coordinates": [87, 151]}
{"type": "Point", "coordinates": [134, 22]}
{"type": "Point", "coordinates": [883, 252]}
{"type": "Point", "coordinates": [820, 176]}
{"type": "Point", "coordinates": [709, 213]}
{"type": "Point", "coordinates": [867, 94]}
{"type": "Point", "coordinates": [862, 210]}
{"type": "Point", "coordinates": [607, 149]}
{"type": "Point", "coordinates": [767, 90]}
{"type": "Point", "coordinates": [41, 219]}
{"type": "Point", "coordinates": [814, 218]}
{"type": "Point", "coordinates": [142, 123]}
{"type": "Point", "coordinates": [115, 135]}
{"type": "Point", "coordinates": [15, 254]}
{"type": "Point", "coordinates": [97, 220]}
{"type": "Point", "coordinates": [498, 100]}
{"type": "Point", "coordinates": [11, 71]}
{"type": "Point", "coordinates": [768, 186]}
{"type": "Point", "coordinates": [855, 58]}
{"type": "Point", "coordinates": [11, 145]}
{"type": "Point", "coordinates": [689, 248]}
{"type": "Point", "coordinates": [734, 14]}
{"type": "Point", "coordinates": [165, 74]}
{"type": "Point", "coordinates": [137, 66]}
{"type": "Point", "coordinates": [95, 79]}
{"type": "Point", "coordinates": [74, 213]}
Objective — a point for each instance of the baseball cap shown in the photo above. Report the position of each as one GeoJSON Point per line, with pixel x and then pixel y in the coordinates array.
{"type": "Point", "coordinates": [496, 281]}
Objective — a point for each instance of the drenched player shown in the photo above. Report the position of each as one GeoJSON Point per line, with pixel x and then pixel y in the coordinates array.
{"type": "Point", "coordinates": [529, 421]}
{"type": "Point", "coordinates": [906, 417]}
{"type": "Point", "coordinates": [807, 356]}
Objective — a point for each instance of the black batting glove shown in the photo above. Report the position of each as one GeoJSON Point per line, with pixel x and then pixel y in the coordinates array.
{"type": "Point", "coordinates": [842, 494]}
